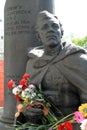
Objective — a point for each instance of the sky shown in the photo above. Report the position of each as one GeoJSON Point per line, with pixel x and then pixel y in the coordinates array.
{"type": "Point", "coordinates": [2, 2]}
{"type": "Point", "coordinates": [72, 14]}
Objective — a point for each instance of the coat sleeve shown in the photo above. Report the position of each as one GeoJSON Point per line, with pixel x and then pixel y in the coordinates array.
{"type": "Point", "coordinates": [74, 68]}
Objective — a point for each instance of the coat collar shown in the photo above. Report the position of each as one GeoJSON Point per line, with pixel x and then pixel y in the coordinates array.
{"type": "Point", "coordinates": [68, 49]}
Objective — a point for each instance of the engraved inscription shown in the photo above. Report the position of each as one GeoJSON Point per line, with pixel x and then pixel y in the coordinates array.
{"type": "Point", "coordinates": [17, 20]}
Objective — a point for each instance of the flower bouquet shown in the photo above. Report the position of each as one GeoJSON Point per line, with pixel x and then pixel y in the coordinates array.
{"type": "Point", "coordinates": [29, 96]}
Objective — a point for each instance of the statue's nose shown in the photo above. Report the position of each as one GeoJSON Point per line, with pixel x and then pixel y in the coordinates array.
{"type": "Point", "coordinates": [51, 29]}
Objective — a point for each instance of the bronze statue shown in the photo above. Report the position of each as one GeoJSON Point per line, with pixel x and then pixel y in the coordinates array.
{"type": "Point", "coordinates": [61, 68]}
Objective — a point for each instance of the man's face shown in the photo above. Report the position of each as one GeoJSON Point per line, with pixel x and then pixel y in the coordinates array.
{"type": "Point", "coordinates": [49, 32]}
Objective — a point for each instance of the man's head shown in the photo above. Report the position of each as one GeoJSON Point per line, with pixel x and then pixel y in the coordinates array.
{"type": "Point", "coordinates": [49, 29]}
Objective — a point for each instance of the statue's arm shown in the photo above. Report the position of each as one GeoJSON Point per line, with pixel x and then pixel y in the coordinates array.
{"type": "Point", "coordinates": [74, 68]}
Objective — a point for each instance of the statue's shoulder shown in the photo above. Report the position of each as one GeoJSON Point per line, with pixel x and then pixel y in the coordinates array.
{"type": "Point", "coordinates": [35, 52]}
{"type": "Point", "coordinates": [72, 48]}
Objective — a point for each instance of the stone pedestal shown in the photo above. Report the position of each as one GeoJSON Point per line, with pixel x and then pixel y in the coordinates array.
{"type": "Point", "coordinates": [19, 35]}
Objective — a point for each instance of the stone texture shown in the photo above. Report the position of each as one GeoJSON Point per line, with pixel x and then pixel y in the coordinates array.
{"type": "Point", "coordinates": [1, 83]}
{"type": "Point", "coordinates": [19, 32]}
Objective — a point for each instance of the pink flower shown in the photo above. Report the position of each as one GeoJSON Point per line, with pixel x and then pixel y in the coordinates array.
{"type": "Point", "coordinates": [78, 117]}
{"type": "Point", "coordinates": [83, 126]}
{"type": "Point", "coordinates": [11, 84]}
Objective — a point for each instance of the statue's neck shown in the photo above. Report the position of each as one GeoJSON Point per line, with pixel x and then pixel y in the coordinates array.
{"type": "Point", "coordinates": [52, 51]}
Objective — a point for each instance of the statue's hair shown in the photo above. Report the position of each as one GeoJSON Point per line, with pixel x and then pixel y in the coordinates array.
{"type": "Point", "coordinates": [45, 15]}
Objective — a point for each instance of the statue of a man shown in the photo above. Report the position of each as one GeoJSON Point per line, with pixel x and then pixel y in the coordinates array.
{"type": "Point", "coordinates": [60, 68]}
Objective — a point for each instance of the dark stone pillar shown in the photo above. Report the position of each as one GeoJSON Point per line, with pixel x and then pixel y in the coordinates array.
{"type": "Point", "coordinates": [19, 34]}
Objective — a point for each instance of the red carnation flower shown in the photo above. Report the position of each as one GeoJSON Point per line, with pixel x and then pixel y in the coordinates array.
{"type": "Point", "coordinates": [25, 76]}
{"type": "Point", "coordinates": [60, 127]}
{"type": "Point", "coordinates": [23, 82]}
{"type": "Point", "coordinates": [24, 87]}
{"type": "Point", "coordinates": [11, 84]}
{"type": "Point", "coordinates": [68, 125]}
{"type": "Point", "coordinates": [18, 98]}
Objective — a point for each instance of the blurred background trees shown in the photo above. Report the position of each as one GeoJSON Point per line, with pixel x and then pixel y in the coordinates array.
{"type": "Point", "coordinates": [80, 41]}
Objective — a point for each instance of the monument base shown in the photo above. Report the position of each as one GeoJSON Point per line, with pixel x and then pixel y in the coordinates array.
{"type": "Point", "coordinates": [4, 125]}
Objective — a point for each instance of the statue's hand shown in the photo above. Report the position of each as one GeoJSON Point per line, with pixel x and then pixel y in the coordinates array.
{"type": "Point", "coordinates": [34, 115]}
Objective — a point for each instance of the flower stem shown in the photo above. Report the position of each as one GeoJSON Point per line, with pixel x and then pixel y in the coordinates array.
{"type": "Point", "coordinates": [62, 120]}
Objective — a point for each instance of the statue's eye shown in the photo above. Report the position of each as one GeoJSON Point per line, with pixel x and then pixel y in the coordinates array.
{"type": "Point", "coordinates": [54, 25]}
{"type": "Point", "coordinates": [45, 26]}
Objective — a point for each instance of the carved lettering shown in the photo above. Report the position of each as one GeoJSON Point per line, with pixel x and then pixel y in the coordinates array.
{"type": "Point", "coordinates": [17, 21]}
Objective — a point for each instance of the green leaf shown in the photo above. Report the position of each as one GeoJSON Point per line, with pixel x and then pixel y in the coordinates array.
{"type": "Point", "coordinates": [41, 127]}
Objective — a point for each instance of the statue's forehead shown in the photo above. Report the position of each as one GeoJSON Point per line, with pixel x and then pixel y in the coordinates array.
{"type": "Point", "coordinates": [42, 20]}
{"type": "Point", "coordinates": [47, 21]}
{"type": "Point", "coordinates": [47, 18]}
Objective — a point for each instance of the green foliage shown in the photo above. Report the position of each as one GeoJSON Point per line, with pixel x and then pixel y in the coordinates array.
{"type": "Point", "coordinates": [80, 41]}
